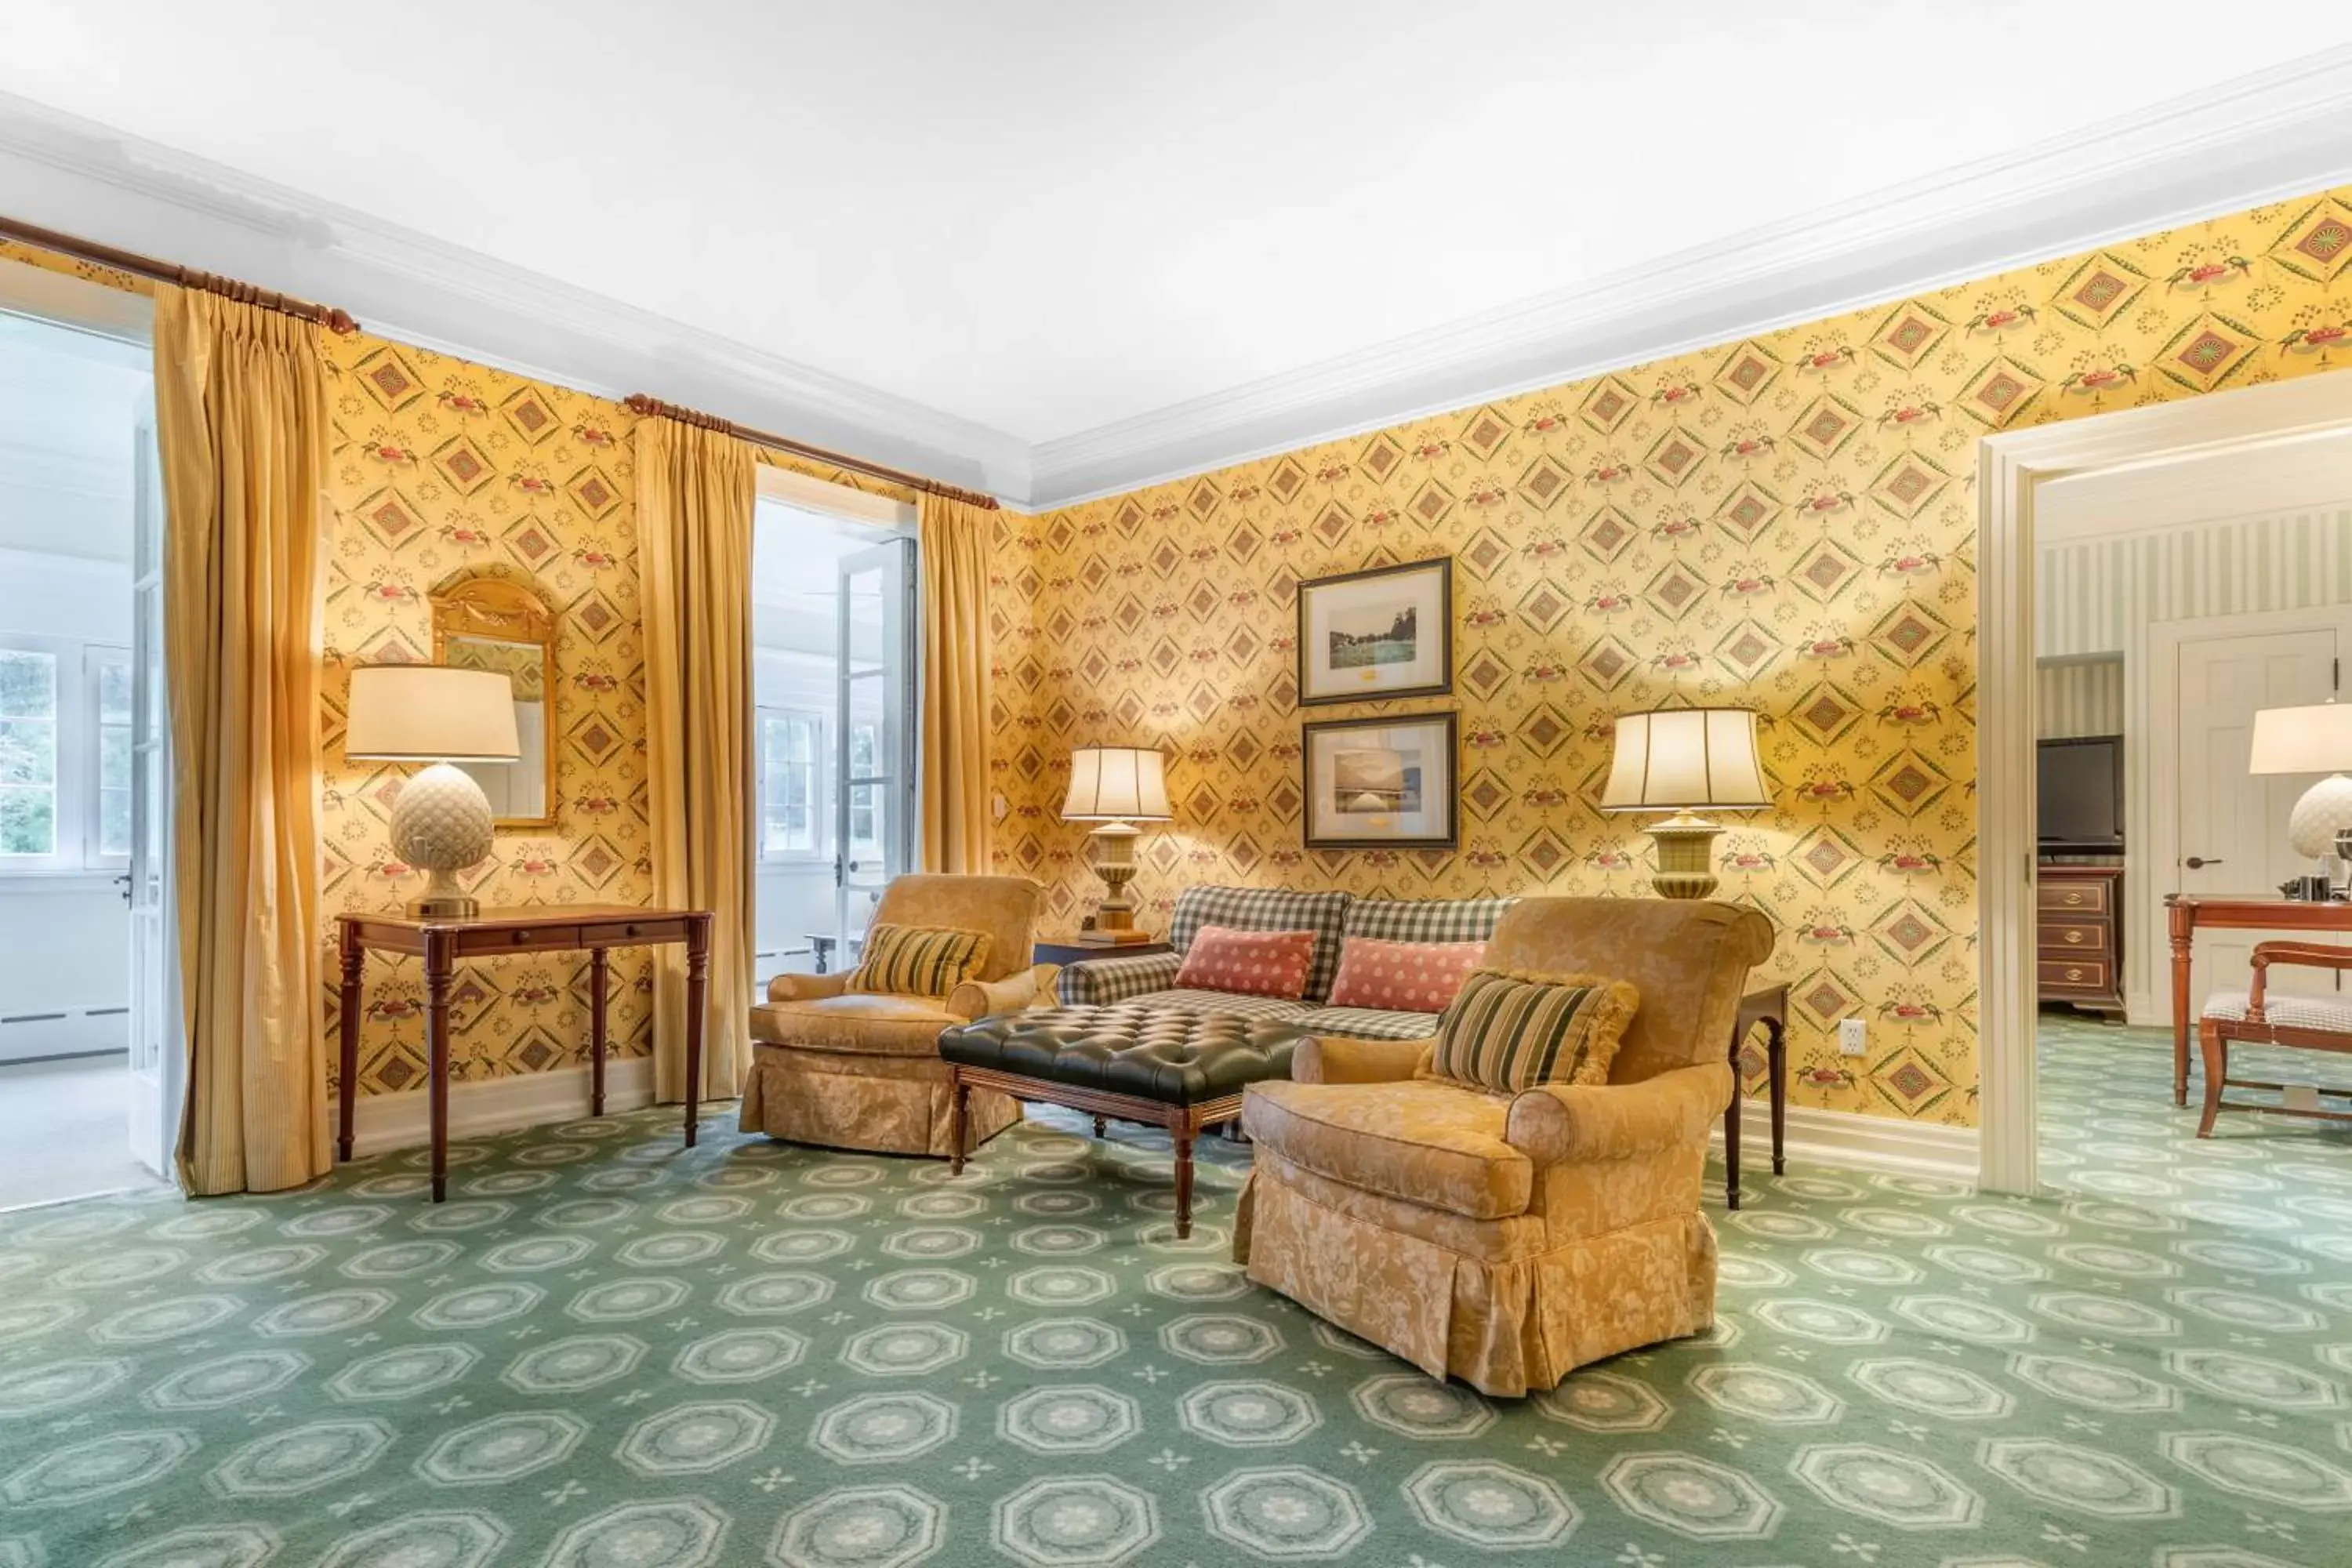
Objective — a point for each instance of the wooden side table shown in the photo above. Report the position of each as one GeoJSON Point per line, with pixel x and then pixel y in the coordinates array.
{"type": "Point", "coordinates": [1046, 950]}
{"type": "Point", "coordinates": [441, 942]}
{"type": "Point", "coordinates": [1769, 1007]}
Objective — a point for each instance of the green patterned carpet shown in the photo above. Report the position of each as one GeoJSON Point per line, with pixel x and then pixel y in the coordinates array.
{"type": "Point", "coordinates": [606, 1352]}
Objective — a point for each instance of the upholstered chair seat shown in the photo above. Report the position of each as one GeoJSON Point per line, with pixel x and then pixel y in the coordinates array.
{"type": "Point", "coordinates": [1507, 1239]}
{"type": "Point", "coordinates": [847, 1069]}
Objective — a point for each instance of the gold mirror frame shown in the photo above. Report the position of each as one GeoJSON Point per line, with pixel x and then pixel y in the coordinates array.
{"type": "Point", "coordinates": [495, 608]}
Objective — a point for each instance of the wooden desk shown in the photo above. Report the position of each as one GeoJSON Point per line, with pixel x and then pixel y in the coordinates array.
{"type": "Point", "coordinates": [2187, 913]}
{"type": "Point", "coordinates": [552, 928]}
{"type": "Point", "coordinates": [1769, 1007]}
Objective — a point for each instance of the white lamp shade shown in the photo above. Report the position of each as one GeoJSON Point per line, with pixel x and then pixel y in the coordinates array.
{"type": "Point", "coordinates": [1116, 784]}
{"type": "Point", "coordinates": [1676, 758]}
{"type": "Point", "coordinates": [430, 714]}
{"type": "Point", "coordinates": [2315, 739]}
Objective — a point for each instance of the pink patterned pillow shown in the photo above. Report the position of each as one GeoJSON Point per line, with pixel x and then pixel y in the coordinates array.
{"type": "Point", "coordinates": [1248, 963]}
{"type": "Point", "coordinates": [1402, 976]}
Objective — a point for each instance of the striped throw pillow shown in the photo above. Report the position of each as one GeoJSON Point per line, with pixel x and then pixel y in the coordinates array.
{"type": "Point", "coordinates": [1508, 1032]}
{"type": "Point", "coordinates": [919, 961]}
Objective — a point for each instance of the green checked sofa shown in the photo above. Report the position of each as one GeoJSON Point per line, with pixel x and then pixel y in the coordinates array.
{"type": "Point", "coordinates": [1150, 980]}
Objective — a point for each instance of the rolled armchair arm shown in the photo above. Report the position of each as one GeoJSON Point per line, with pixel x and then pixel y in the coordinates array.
{"type": "Point", "coordinates": [807, 987]}
{"type": "Point", "coordinates": [1339, 1058]}
{"type": "Point", "coordinates": [1100, 982]}
{"type": "Point", "coordinates": [1562, 1124]}
{"type": "Point", "coordinates": [1015, 992]}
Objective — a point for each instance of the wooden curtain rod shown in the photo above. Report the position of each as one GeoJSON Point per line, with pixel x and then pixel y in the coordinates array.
{"type": "Point", "coordinates": [172, 272]}
{"type": "Point", "coordinates": [640, 404]}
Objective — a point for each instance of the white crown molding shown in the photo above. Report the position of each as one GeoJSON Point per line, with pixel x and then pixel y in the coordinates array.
{"type": "Point", "coordinates": [69, 173]}
{"type": "Point", "coordinates": [2282, 133]}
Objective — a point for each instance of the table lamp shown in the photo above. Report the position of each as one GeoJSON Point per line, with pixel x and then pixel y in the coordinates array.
{"type": "Point", "coordinates": [1684, 760]}
{"type": "Point", "coordinates": [430, 714]}
{"type": "Point", "coordinates": [1115, 786]}
{"type": "Point", "coordinates": [2314, 740]}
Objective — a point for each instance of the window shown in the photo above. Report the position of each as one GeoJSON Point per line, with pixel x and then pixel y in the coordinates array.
{"type": "Point", "coordinates": [865, 800]}
{"type": "Point", "coordinates": [65, 755]}
{"type": "Point", "coordinates": [792, 746]}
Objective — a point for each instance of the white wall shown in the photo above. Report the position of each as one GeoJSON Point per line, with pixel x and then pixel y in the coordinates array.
{"type": "Point", "coordinates": [795, 897]}
{"type": "Point", "coordinates": [65, 942]}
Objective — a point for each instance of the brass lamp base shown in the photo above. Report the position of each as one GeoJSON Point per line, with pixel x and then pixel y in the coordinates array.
{"type": "Point", "coordinates": [1686, 856]}
{"type": "Point", "coordinates": [444, 900]}
{"type": "Point", "coordinates": [1114, 862]}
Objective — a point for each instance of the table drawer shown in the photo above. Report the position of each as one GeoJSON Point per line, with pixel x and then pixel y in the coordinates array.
{"type": "Point", "coordinates": [2065, 938]}
{"type": "Point", "coordinates": [554, 936]}
{"type": "Point", "coordinates": [2064, 974]}
{"type": "Point", "coordinates": [2087, 897]}
{"type": "Point", "coordinates": [627, 933]}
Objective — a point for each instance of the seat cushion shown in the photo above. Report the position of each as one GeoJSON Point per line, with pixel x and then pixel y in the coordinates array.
{"type": "Point", "coordinates": [1178, 1058]}
{"type": "Point", "coordinates": [856, 1023]}
{"type": "Point", "coordinates": [1423, 1142]}
{"type": "Point", "coordinates": [2286, 1012]}
{"type": "Point", "coordinates": [1369, 1024]}
{"type": "Point", "coordinates": [1230, 1002]}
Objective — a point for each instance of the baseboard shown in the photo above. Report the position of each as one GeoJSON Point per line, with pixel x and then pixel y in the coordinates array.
{"type": "Point", "coordinates": [382, 1122]}
{"type": "Point", "coordinates": [1852, 1142]}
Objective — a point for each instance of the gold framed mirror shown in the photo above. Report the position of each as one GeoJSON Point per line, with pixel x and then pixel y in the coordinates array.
{"type": "Point", "coordinates": [486, 622]}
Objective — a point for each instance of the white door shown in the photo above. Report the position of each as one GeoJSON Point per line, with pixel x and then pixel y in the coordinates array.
{"type": "Point", "coordinates": [158, 1067]}
{"type": "Point", "coordinates": [874, 737]}
{"type": "Point", "coordinates": [2231, 827]}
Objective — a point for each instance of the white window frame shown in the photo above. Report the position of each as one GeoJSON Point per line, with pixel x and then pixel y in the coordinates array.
{"type": "Point", "coordinates": [78, 660]}
{"type": "Point", "coordinates": [820, 827]}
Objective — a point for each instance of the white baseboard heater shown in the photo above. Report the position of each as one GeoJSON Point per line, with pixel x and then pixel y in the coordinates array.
{"type": "Point", "coordinates": [29, 1034]}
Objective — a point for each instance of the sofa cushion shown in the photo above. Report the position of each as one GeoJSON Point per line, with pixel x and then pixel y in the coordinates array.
{"type": "Point", "coordinates": [1402, 976]}
{"type": "Point", "coordinates": [1425, 920]}
{"type": "Point", "coordinates": [859, 1023]}
{"type": "Point", "coordinates": [1266, 908]}
{"type": "Point", "coordinates": [1250, 963]}
{"type": "Point", "coordinates": [1511, 1032]}
{"type": "Point", "coordinates": [1369, 1024]}
{"type": "Point", "coordinates": [1228, 1002]}
{"type": "Point", "coordinates": [1423, 1142]}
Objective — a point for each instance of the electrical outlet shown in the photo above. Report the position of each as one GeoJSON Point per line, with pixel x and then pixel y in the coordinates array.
{"type": "Point", "coordinates": [1853, 1037]}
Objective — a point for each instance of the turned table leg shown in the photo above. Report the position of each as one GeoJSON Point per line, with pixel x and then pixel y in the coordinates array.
{"type": "Point", "coordinates": [347, 1059]}
{"type": "Point", "coordinates": [440, 953]}
{"type": "Point", "coordinates": [697, 991]}
{"type": "Point", "coordinates": [600, 967]}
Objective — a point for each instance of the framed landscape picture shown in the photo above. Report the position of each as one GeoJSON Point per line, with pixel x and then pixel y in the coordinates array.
{"type": "Point", "coordinates": [1380, 783]}
{"type": "Point", "coordinates": [1388, 631]}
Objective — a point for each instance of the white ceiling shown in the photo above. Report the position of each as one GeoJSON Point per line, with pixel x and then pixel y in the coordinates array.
{"type": "Point", "coordinates": [1051, 220]}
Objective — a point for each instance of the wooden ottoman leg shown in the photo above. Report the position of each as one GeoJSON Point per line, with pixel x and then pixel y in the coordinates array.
{"type": "Point", "coordinates": [957, 1113]}
{"type": "Point", "coordinates": [1098, 1129]}
{"type": "Point", "coordinates": [1180, 1134]}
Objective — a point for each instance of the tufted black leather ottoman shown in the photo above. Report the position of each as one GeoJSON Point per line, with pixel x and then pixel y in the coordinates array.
{"type": "Point", "coordinates": [1181, 1071]}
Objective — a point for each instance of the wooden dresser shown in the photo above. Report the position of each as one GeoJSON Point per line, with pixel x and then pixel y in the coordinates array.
{"type": "Point", "coordinates": [2081, 953]}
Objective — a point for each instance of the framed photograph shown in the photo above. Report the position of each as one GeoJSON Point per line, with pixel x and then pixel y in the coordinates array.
{"type": "Point", "coordinates": [1388, 631]}
{"type": "Point", "coordinates": [1380, 783]}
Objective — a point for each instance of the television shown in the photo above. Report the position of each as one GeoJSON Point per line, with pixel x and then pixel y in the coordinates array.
{"type": "Point", "coordinates": [2081, 796]}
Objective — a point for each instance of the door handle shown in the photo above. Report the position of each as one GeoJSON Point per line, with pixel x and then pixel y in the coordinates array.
{"type": "Point", "coordinates": [2198, 862]}
{"type": "Point", "coordinates": [123, 882]}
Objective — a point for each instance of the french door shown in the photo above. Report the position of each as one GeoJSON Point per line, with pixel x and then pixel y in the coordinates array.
{"type": "Point", "coordinates": [158, 1062]}
{"type": "Point", "coordinates": [874, 751]}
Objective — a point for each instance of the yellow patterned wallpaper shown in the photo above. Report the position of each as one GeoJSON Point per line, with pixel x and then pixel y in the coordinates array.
{"type": "Point", "coordinates": [1786, 522]}
{"type": "Point", "coordinates": [440, 466]}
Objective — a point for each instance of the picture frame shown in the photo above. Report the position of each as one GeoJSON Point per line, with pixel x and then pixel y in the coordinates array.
{"type": "Point", "coordinates": [1381, 633]}
{"type": "Point", "coordinates": [1385, 782]}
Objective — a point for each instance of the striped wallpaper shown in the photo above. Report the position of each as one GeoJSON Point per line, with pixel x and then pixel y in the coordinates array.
{"type": "Point", "coordinates": [2090, 594]}
{"type": "Point", "coordinates": [2081, 697]}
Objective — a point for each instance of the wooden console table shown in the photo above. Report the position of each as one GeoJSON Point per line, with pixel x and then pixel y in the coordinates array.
{"type": "Point", "coordinates": [1769, 1007]}
{"type": "Point", "coordinates": [2187, 913]}
{"type": "Point", "coordinates": [441, 942]}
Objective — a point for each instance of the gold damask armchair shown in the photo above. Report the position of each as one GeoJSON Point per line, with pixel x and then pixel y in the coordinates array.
{"type": "Point", "coordinates": [851, 1069]}
{"type": "Point", "coordinates": [1508, 1239]}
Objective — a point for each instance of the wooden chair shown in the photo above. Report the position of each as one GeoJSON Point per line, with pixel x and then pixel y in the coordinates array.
{"type": "Point", "coordinates": [2309, 1023]}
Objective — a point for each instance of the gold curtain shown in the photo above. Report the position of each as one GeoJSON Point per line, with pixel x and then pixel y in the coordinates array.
{"type": "Point", "coordinates": [241, 418]}
{"type": "Point", "coordinates": [953, 538]}
{"type": "Point", "coordinates": [695, 496]}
